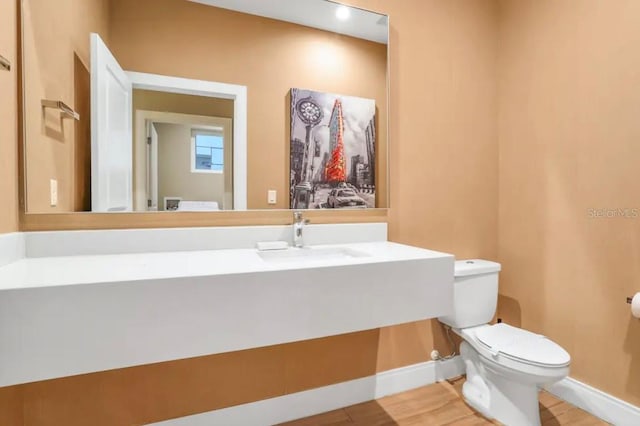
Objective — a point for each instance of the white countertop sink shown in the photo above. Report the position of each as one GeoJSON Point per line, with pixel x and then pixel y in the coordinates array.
{"type": "Point", "coordinates": [61, 316]}
{"type": "Point", "coordinates": [113, 268]}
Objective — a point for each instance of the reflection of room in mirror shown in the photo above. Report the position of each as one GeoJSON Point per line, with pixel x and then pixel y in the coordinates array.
{"type": "Point", "coordinates": [185, 156]}
{"type": "Point", "coordinates": [265, 50]}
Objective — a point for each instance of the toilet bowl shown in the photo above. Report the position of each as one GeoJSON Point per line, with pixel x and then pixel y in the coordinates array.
{"type": "Point", "coordinates": [506, 366]}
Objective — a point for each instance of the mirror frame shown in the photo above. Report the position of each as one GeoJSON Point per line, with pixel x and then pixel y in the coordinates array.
{"type": "Point", "coordinates": [73, 221]}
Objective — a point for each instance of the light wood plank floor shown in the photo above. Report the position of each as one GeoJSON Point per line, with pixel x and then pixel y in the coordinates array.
{"type": "Point", "coordinates": [438, 405]}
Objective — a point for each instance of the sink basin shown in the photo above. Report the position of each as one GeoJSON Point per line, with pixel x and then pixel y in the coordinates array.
{"type": "Point", "coordinates": [308, 254]}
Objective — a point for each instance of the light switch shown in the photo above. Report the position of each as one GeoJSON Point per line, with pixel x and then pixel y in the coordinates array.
{"type": "Point", "coordinates": [53, 186]}
{"type": "Point", "coordinates": [272, 196]}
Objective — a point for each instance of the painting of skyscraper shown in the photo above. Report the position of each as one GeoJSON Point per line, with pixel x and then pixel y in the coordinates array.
{"type": "Point", "coordinates": [332, 150]}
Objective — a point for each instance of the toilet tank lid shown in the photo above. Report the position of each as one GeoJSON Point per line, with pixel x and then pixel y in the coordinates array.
{"type": "Point", "coordinates": [475, 267]}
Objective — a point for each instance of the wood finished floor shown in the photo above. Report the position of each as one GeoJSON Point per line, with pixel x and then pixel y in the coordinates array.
{"type": "Point", "coordinates": [438, 405]}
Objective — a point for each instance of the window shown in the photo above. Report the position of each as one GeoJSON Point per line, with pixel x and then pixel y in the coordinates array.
{"type": "Point", "coordinates": [207, 151]}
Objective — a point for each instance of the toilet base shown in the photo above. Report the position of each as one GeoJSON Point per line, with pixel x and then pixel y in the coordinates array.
{"type": "Point", "coordinates": [496, 393]}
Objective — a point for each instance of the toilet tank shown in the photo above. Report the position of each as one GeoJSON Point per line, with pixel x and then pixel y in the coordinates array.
{"type": "Point", "coordinates": [475, 293]}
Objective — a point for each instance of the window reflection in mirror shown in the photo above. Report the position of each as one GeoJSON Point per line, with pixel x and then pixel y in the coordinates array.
{"type": "Point", "coordinates": [207, 151]}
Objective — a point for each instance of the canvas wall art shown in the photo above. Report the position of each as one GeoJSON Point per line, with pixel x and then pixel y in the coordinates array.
{"type": "Point", "coordinates": [332, 152]}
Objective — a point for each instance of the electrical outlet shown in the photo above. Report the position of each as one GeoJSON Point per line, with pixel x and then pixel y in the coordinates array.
{"type": "Point", "coordinates": [272, 196]}
{"type": "Point", "coordinates": [53, 187]}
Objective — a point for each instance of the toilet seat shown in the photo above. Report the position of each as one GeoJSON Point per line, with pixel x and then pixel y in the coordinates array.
{"type": "Point", "coordinates": [522, 346]}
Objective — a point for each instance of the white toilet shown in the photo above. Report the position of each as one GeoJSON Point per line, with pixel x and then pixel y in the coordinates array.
{"type": "Point", "coordinates": [506, 366]}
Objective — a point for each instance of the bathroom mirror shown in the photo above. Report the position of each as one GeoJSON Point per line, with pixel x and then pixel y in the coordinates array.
{"type": "Point", "coordinates": [203, 105]}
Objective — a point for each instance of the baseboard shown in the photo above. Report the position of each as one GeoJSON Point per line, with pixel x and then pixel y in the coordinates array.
{"type": "Point", "coordinates": [596, 402]}
{"type": "Point", "coordinates": [327, 398]}
{"type": "Point", "coordinates": [414, 376]}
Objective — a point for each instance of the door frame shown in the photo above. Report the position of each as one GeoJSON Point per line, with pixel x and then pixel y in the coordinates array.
{"type": "Point", "coordinates": [211, 89]}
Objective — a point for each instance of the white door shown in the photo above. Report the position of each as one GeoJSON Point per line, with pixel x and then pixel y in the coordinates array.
{"type": "Point", "coordinates": [111, 132]}
{"type": "Point", "coordinates": [152, 141]}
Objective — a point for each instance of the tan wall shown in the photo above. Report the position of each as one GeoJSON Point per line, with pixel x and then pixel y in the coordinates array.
{"type": "Point", "coordinates": [56, 54]}
{"type": "Point", "coordinates": [570, 141]}
{"type": "Point", "coordinates": [443, 149]}
{"type": "Point", "coordinates": [568, 131]}
{"type": "Point", "coordinates": [269, 57]}
{"type": "Point", "coordinates": [174, 169]}
{"type": "Point", "coordinates": [444, 196]}
{"type": "Point", "coordinates": [150, 100]}
{"type": "Point", "coordinates": [8, 120]}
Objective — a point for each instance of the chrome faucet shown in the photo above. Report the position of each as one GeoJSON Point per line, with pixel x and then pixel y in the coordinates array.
{"type": "Point", "coordinates": [298, 225]}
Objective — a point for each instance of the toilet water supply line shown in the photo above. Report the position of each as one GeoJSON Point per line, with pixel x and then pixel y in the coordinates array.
{"type": "Point", "coordinates": [435, 354]}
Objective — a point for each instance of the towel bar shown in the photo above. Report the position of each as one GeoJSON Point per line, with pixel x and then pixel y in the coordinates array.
{"type": "Point", "coordinates": [65, 110]}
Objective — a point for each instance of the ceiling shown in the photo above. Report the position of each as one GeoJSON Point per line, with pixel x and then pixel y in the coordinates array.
{"type": "Point", "coordinates": [313, 13]}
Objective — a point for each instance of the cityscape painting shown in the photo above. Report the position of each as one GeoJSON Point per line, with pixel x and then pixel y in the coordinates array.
{"type": "Point", "coordinates": [333, 151]}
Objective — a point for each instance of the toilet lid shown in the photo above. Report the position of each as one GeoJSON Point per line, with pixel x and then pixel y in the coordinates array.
{"type": "Point", "coordinates": [523, 346]}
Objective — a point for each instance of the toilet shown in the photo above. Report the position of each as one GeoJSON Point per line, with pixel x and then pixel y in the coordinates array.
{"type": "Point", "coordinates": [506, 366]}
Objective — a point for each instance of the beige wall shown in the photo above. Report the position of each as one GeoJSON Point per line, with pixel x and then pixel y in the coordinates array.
{"type": "Point", "coordinates": [174, 169]}
{"type": "Point", "coordinates": [269, 57]}
{"type": "Point", "coordinates": [443, 149]}
{"type": "Point", "coordinates": [565, 114]}
{"type": "Point", "coordinates": [570, 141]}
{"type": "Point", "coordinates": [150, 100]}
{"type": "Point", "coordinates": [444, 186]}
{"type": "Point", "coordinates": [56, 54]}
{"type": "Point", "coordinates": [8, 120]}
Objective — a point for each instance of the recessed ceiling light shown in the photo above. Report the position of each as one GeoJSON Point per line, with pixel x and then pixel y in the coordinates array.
{"type": "Point", "coordinates": [343, 13]}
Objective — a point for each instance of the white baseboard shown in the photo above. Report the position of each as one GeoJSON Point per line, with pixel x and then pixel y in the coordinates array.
{"type": "Point", "coordinates": [414, 376]}
{"type": "Point", "coordinates": [596, 402]}
{"type": "Point", "coordinates": [315, 401]}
